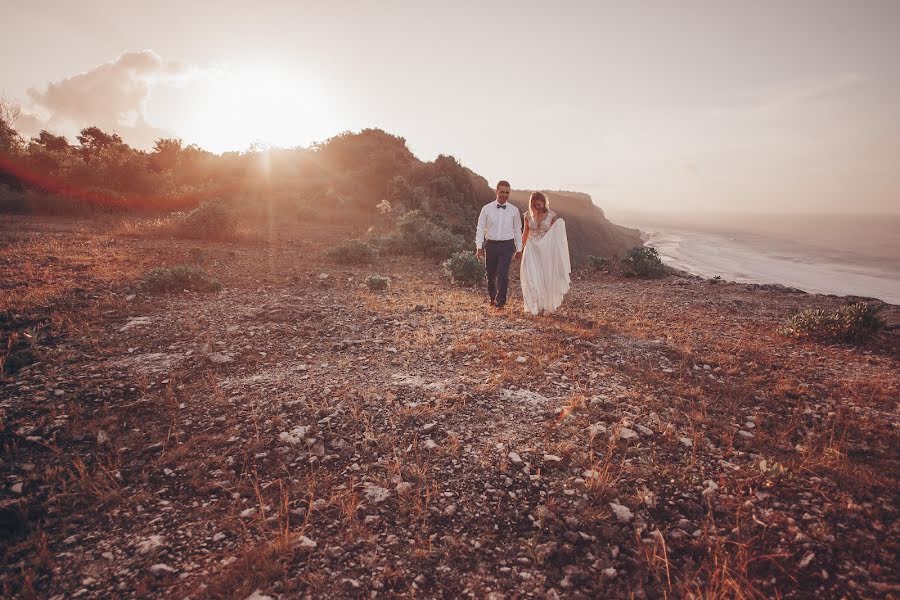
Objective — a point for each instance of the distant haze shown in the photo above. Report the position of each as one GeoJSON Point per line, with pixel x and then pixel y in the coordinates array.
{"type": "Point", "coordinates": [766, 106]}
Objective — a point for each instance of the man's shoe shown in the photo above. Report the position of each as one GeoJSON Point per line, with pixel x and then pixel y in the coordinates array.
{"type": "Point", "coordinates": [499, 306]}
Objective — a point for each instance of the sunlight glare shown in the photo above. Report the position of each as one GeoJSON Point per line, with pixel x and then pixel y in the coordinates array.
{"type": "Point", "coordinates": [239, 108]}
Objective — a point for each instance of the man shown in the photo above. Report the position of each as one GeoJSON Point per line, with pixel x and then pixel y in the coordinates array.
{"type": "Point", "coordinates": [498, 238]}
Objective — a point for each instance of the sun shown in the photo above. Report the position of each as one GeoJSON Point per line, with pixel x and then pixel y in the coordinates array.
{"type": "Point", "coordinates": [234, 108]}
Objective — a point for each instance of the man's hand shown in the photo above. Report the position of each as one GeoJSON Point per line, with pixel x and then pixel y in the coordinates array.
{"type": "Point", "coordinates": [480, 253]}
{"type": "Point", "coordinates": [518, 255]}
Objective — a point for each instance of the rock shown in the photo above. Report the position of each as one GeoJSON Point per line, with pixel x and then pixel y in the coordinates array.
{"type": "Point", "coordinates": [450, 510]}
{"type": "Point", "coordinates": [323, 276]}
{"type": "Point", "coordinates": [150, 544]}
{"type": "Point", "coordinates": [316, 446]}
{"type": "Point", "coordinates": [744, 434]}
{"type": "Point", "coordinates": [258, 595]}
{"type": "Point", "coordinates": [521, 360]}
{"type": "Point", "coordinates": [644, 430]}
{"type": "Point", "coordinates": [429, 444]}
{"type": "Point", "coordinates": [627, 434]}
{"type": "Point", "coordinates": [591, 474]}
{"type": "Point", "coordinates": [427, 427]}
{"type": "Point", "coordinates": [596, 429]}
{"type": "Point", "coordinates": [161, 570]}
{"type": "Point", "coordinates": [552, 458]}
{"type": "Point", "coordinates": [402, 487]}
{"type": "Point", "coordinates": [686, 442]}
{"type": "Point", "coordinates": [135, 322]}
{"type": "Point", "coordinates": [248, 512]}
{"type": "Point", "coordinates": [16, 488]}
{"type": "Point", "coordinates": [376, 494]}
{"type": "Point", "coordinates": [294, 436]}
{"type": "Point", "coordinates": [305, 542]}
{"type": "Point", "coordinates": [515, 459]}
{"type": "Point", "coordinates": [220, 358]}
{"type": "Point", "coordinates": [622, 512]}
{"type": "Point", "coordinates": [806, 560]}
{"type": "Point", "coordinates": [711, 487]}
{"type": "Point", "coordinates": [102, 437]}
{"type": "Point", "coordinates": [610, 572]}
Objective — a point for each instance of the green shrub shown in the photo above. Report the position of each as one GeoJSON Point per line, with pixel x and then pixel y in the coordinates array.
{"type": "Point", "coordinates": [416, 234]}
{"type": "Point", "coordinates": [178, 278]}
{"type": "Point", "coordinates": [209, 221]}
{"type": "Point", "coordinates": [464, 268]}
{"type": "Point", "coordinates": [851, 323]}
{"type": "Point", "coordinates": [13, 201]}
{"type": "Point", "coordinates": [642, 262]}
{"type": "Point", "coordinates": [353, 251]}
{"type": "Point", "coordinates": [377, 283]}
{"type": "Point", "coordinates": [598, 262]}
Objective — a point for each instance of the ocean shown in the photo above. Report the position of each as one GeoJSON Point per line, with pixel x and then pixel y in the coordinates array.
{"type": "Point", "coordinates": [856, 255]}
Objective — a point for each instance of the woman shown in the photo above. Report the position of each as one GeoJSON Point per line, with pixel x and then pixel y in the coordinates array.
{"type": "Point", "coordinates": [545, 258]}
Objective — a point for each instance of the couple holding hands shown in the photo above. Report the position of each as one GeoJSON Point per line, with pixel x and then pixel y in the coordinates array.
{"type": "Point", "coordinates": [543, 248]}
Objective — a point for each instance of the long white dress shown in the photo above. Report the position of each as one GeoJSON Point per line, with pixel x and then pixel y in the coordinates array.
{"type": "Point", "coordinates": [545, 265]}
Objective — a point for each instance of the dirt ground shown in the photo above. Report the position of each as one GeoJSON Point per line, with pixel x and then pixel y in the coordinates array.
{"type": "Point", "coordinates": [297, 435]}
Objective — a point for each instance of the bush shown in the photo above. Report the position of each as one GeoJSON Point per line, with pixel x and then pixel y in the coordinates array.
{"type": "Point", "coordinates": [354, 251]}
{"type": "Point", "coordinates": [598, 262]}
{"type": "Point", "coordinates": [13, 201]}
{"type": "Point", "coordinates": [178, 278]}
{"type": "Point", "coordinates": [377, 283]}
{"type": "Point", "coordinates": [642, 262]}
{"type": "Point", "coordinates": [418, 235]}
{"type": "Point", "coordinates": [464, 268]}
{"type": "Point", "coordinates": [209, 221]}
{"type": "Point", "coordinates": [851, 323]}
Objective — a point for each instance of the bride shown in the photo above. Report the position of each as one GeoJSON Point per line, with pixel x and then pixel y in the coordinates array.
{"type": "Point", "coordinates": [545, 259]}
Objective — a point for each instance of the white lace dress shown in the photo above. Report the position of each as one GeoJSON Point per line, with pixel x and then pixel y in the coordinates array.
{"type": "Point", "coordinates": [545, 264]}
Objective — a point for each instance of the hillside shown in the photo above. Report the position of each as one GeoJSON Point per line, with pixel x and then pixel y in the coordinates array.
{"type": "Point", "coordinates": [298, 435]}
{"type": "Point", "coordinates": [589, 231]}
{"type": "Point", "coordinates": [361, 171]}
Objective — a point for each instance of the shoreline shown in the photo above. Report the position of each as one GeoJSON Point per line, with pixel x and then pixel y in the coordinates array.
{"type": "Point", "coordinates": [741, 259]}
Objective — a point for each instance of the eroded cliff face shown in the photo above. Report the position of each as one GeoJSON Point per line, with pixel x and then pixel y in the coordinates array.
{"type": "Point", "coordinates": [590, 232]}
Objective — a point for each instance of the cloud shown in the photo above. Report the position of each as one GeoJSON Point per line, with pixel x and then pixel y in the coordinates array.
{"type": "Point", "coordinates": [112, 96]}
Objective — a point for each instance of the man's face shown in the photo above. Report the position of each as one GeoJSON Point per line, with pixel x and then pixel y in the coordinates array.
{"type": "Point", "coordinates": [503, 194]}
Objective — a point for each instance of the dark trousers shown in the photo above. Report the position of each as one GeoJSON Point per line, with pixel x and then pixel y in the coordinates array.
{"type": "Point", "coordinates": [498, 256]}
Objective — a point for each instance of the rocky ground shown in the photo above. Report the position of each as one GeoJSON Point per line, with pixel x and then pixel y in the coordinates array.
{"type": "Point", "coordinates": [297, 435]}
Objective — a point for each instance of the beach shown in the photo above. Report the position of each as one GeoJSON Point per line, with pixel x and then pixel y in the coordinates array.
{"type": "Point", "coordinates": [849, 256]}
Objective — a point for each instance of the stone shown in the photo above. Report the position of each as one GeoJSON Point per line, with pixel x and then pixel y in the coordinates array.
{"type": "Point", "coordinates": [552, 458]}
{"type": "Point", "coordinates": [514, 458]}
{"type": "Point", "coordinates": [627, 434]}
{"type": "Point", "coordinates": [151, 543]}
{"type": "Point", "coordinates": [686, 442]}
{"type": "Point", "coordinates": [294, 436]}
{"type": "Point", "coordinates": [161, 570]}
{"type": "Point", "coordinates": [305, 542]}
{"type": "Point", "coordinates": [376, 494]}
{"type": "Point", "coordinates": [622, 512]}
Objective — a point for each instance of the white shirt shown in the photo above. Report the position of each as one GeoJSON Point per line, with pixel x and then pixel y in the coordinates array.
{"type": "Point", "coordinates": [495, 223]}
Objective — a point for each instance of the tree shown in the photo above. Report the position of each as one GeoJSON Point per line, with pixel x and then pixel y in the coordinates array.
{"type": "Point", "coordinates": [10, 140]}
{"type": "Point", "coordinates": [93, 141]}
{"type": "Point", "coordinates": [53, 143]}
{"type": "Point", "coordinates": [165, 154]}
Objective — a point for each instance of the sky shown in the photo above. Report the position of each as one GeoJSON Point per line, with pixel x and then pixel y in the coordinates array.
{"type": "Point", "coordinates": [689, 106]}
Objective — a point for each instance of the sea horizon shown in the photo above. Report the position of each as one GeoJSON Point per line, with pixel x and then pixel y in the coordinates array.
{"type": "Point", "coordinates": [841, 254]}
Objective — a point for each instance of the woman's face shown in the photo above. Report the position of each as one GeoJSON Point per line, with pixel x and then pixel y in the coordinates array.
{"type": "Point", "coordinates": [539, 206]}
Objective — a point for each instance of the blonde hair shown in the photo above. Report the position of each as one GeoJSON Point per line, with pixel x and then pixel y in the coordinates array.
{"type": "Point", "coordinates": [538, 196]}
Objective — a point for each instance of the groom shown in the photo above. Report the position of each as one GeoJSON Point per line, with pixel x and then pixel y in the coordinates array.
{"type": "Point", "coordinates": [499, 237]}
